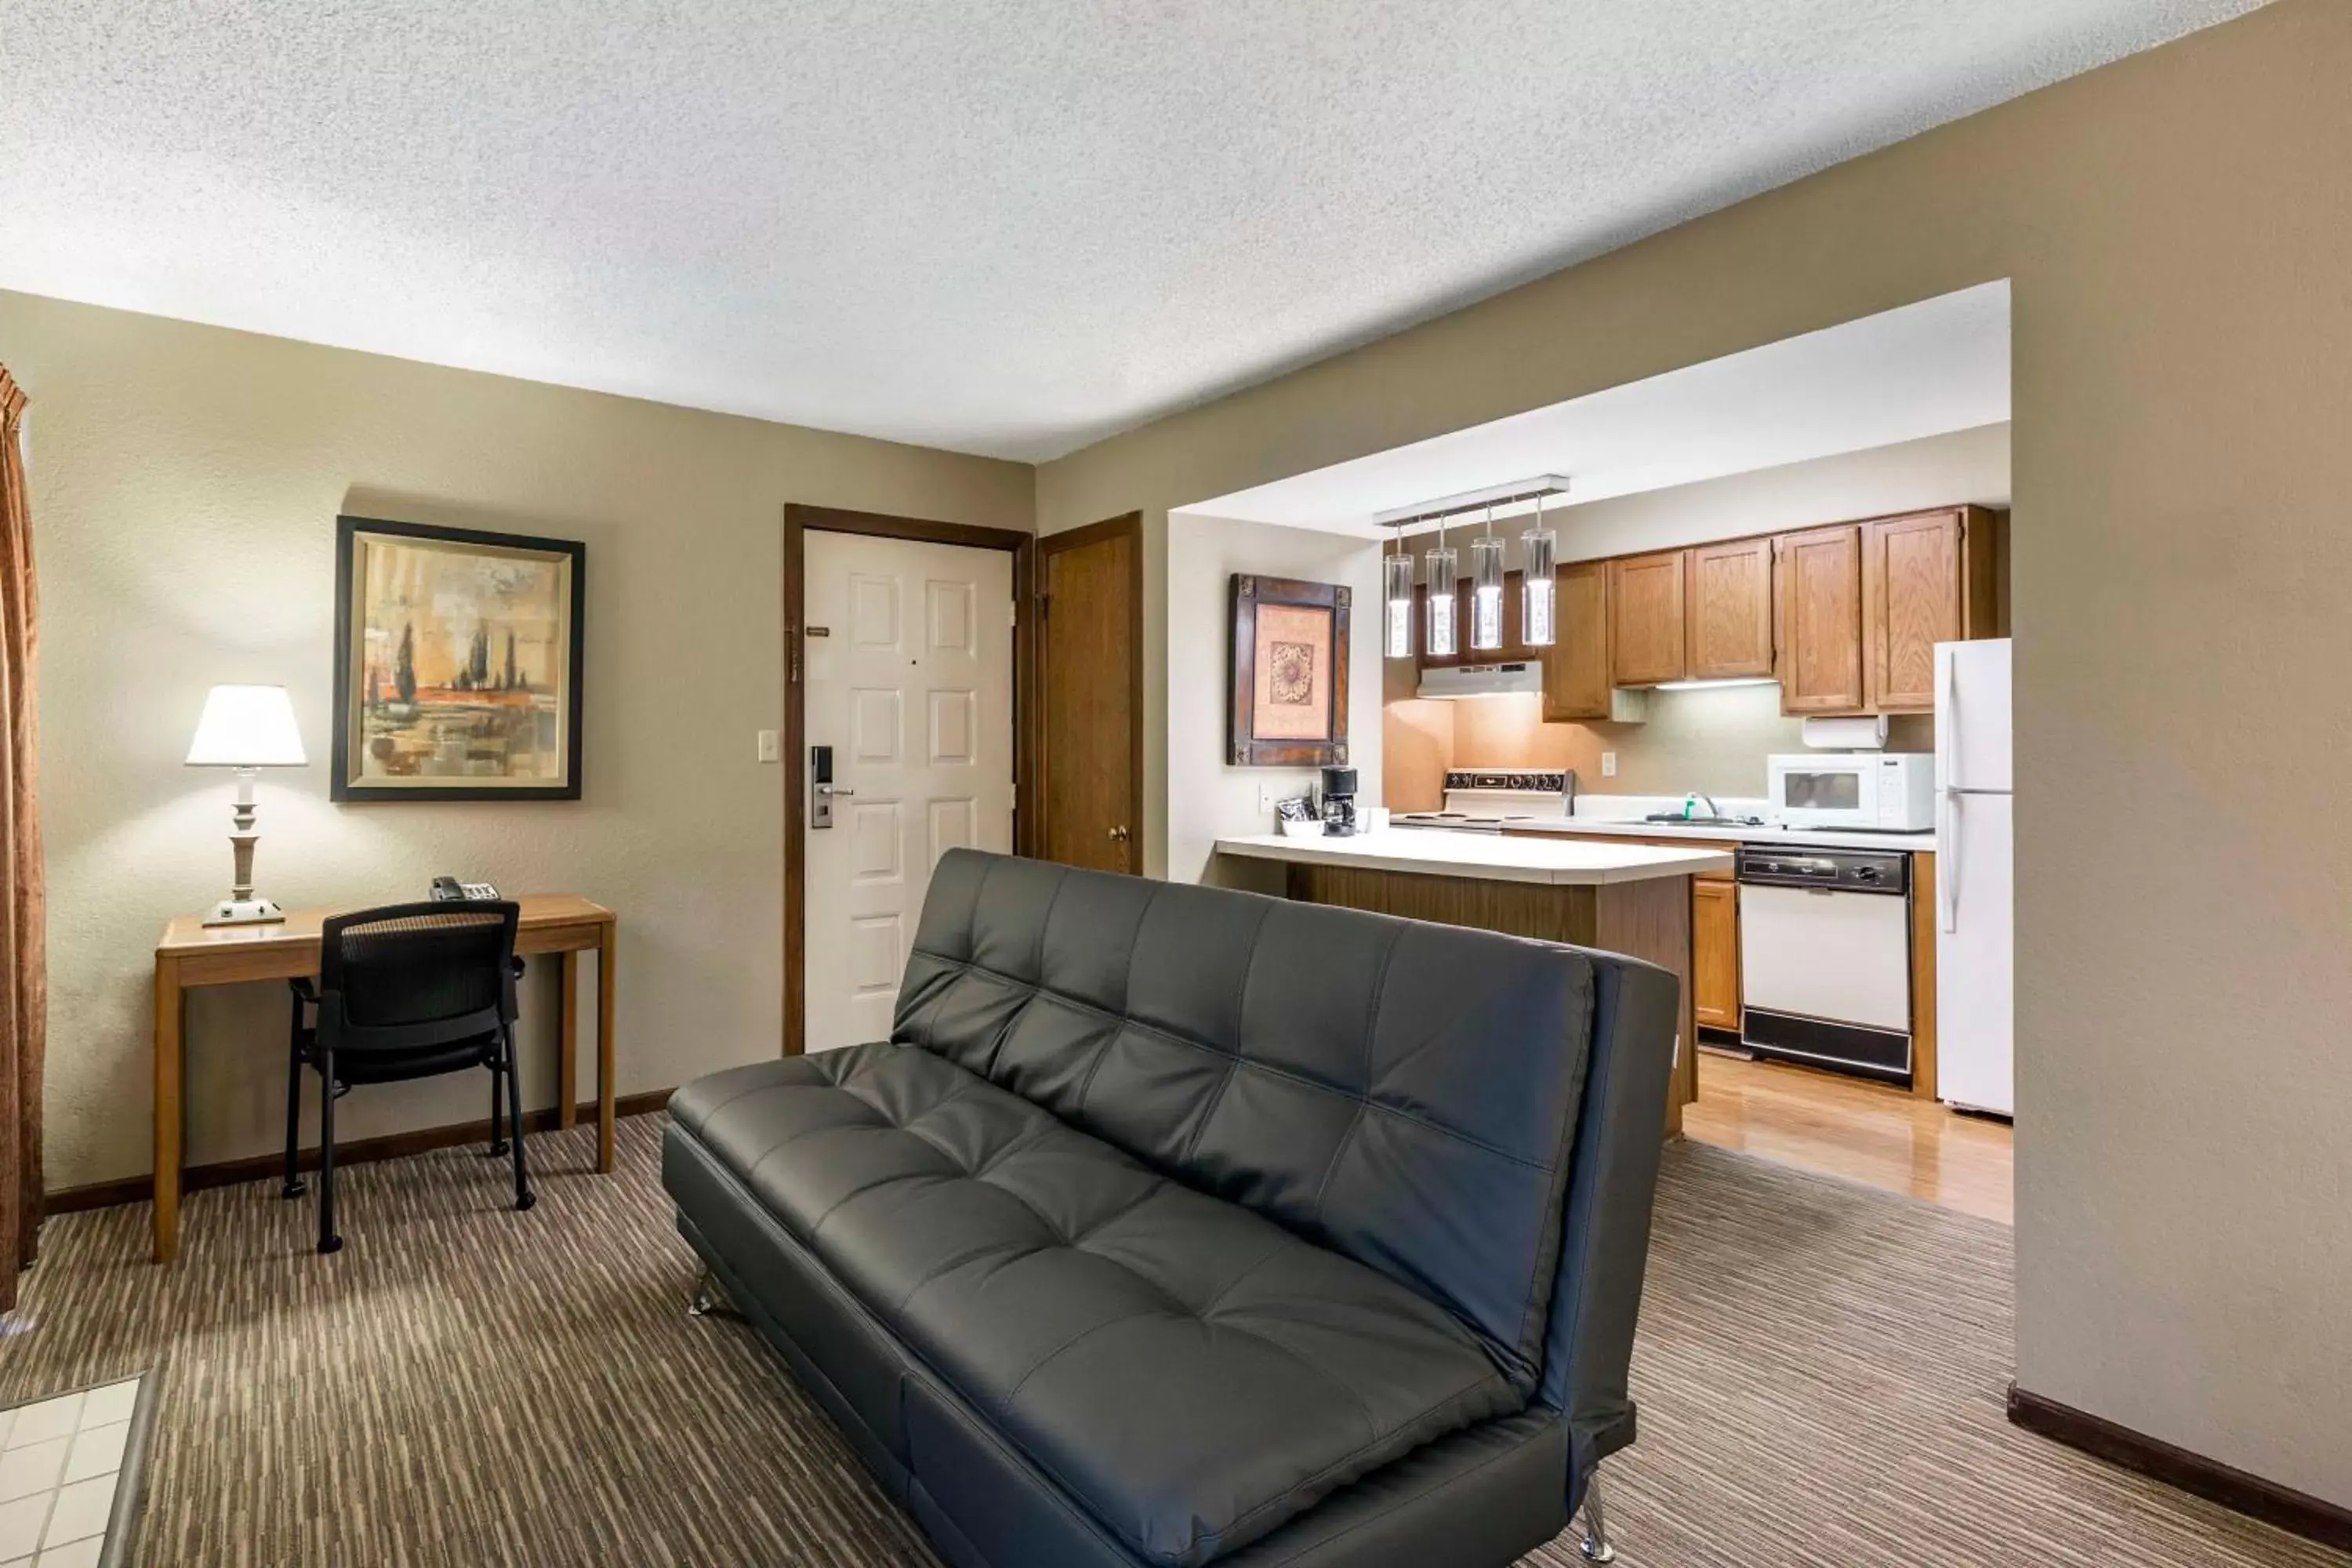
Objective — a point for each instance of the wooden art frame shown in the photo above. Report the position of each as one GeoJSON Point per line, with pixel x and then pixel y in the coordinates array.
{"type": "Point", "coordinates": [518, 679]}
{"type": "Point", "coordinates": [1288, 683]}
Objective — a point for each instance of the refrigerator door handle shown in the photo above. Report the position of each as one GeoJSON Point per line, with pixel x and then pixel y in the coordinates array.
{"type": "Point", "coordinates": [1947, 708]}
{"type": "Point", "coordinates": [1947, 861]}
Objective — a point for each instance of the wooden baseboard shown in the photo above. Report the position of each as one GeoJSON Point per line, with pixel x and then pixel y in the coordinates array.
{"type": "Point", "coordinates": [392, 1146]}
{"type": "Point", "coordinates": [2312, 1518]}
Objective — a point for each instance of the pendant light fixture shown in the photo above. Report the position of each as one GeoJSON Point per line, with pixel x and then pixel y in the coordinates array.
{"type": "Point", "coordinates": [1487, 590]}
{"type": "Point", "coordinates": [1396, 571]}
{"type": "Point", "coordinates": [1442, 635]}
{"type": "Point", "coordinates": [1538, 585]}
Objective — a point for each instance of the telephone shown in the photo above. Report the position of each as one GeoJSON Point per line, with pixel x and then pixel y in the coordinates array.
{"type": "Point", "coordinates": [449, 890]}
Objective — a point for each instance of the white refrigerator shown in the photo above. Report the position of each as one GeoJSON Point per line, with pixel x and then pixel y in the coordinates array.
{"type": "Point", "coordinates": [1976, 947]}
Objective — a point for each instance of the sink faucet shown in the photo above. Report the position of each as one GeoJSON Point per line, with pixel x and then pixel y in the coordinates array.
{"type": "Point", "coordinates": [1695, 797]}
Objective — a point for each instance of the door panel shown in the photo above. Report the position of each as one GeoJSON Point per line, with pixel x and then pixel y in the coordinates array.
{"type": "Point", "coordinates": [1911, 602]}
{"type": "Point", "coordinates": [1976, 998]}
{"type": "Point", "coordinates": [1818, 579]}
{"type": "Point", "coordinates": [1715, 952]}
{"type": "Point", "coordinates": [913, 691]}
{"type": "Point", "coordinates": [1576, 667]}
{"type": "Point", "coordinates": [1645, 619]}
{"type": "Point", "coordinates": [1728, 605]}
{"type": "Point", "coordinates": [1089, 678]}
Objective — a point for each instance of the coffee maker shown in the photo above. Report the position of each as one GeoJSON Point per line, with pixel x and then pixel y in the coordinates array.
{"type": "Point", "coordinates": [1338, 801]}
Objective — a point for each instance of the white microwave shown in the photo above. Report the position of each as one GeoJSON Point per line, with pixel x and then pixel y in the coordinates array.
{"type": "Point", "coordinates": [1870, 791]}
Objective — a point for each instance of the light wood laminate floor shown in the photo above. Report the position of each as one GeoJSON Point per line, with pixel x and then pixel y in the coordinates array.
{"type": "Point", "coordinates": [1866, 1133]}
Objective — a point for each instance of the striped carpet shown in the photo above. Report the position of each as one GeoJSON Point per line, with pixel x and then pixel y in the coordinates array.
{"type": "Point", "coordinates": [1821, 1372]}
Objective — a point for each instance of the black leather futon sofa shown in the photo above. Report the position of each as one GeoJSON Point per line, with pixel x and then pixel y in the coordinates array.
{"type": "Point", "coordinates": [1178, 1225]}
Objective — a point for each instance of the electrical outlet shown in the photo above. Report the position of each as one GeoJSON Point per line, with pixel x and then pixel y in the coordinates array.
{"type": "Point", "coordinates": [1608, 764]}
{"type": "Point", "coordinates": [772, 746]}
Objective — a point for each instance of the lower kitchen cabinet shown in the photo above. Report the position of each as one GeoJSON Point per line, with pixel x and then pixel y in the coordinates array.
{"type": "Point", "coordinates": [1715, 952]}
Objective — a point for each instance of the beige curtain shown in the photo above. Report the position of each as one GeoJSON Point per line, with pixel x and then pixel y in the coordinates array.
{"type": "Point", "coordinates": [24, 969]}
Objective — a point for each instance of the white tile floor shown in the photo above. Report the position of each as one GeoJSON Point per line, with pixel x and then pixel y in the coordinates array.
{"type": "Point", "coordinates": [59, 1461]}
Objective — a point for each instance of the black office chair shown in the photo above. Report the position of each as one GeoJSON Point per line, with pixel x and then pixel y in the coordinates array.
{"type": "Point", "coordinates": [404, 992]}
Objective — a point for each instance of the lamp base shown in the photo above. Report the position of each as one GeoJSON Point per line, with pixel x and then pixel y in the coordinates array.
{"type": "Point", "coordinates": [246, 912]}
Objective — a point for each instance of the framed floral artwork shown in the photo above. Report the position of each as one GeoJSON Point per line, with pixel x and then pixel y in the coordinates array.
{"type": "Point", "coordinates": [1289, 673]}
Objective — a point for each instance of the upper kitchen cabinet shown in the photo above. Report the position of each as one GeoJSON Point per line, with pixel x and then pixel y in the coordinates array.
{"type": "Point", "coordinates": [1926, 578]}
{"type": "Point", "coordinates": [1645, 619]}
{"type": "Point", "coordinates": [1728, 608]}
{"type": "Point", "coordinates": [1816, 577]}
{"type": "Point", "coordinates": [1576, 667]}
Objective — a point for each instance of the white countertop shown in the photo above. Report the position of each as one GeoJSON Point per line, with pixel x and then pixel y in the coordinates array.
{"type": "Point", "coordinates": [1821, 837]}
{"type": "Point", "coordinates": [1484, 857]}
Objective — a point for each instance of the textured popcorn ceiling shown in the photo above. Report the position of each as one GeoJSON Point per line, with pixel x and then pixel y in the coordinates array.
{"type": "Point", "coordinates": [1001, 225]}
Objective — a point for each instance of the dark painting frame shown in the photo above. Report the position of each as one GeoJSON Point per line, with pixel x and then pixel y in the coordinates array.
{"type": "Point", "coordinates": [342, 784]}
{"type": "Point", "coordinates": [1244, 747]}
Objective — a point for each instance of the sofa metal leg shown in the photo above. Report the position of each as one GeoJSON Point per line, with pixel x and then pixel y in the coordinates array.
{"type": "Point", "coordinates": [1595, 1545]}
{"type": "Point", "coordinates": [708, 1299]}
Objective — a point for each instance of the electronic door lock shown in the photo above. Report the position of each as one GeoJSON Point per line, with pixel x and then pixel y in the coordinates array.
{"type": "Point", "coordinates": [821, 789]}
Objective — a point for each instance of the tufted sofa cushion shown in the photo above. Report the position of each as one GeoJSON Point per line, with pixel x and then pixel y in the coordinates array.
{"type": "Point", "coordinates": [1190, 1372]}
{"type": "Point", "coordinates": [1403, 1094]}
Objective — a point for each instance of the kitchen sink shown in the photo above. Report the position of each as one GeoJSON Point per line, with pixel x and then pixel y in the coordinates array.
{"type": "Point", "coordinates": [1676, 819]}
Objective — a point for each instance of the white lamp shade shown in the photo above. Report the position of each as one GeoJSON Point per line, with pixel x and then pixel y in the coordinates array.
{"type": "Point", "coordinates": [247, 727]}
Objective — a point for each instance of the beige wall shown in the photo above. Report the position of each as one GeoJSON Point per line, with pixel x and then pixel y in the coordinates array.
{"type": "Point", "coordinates": [186, 482]}
{"type": "Point", "coordinates": [1208, 799]}
{"type": "Point", "coordinates": [1714, 741]}
{"type": "Point", "coordinates": [2177, 228]}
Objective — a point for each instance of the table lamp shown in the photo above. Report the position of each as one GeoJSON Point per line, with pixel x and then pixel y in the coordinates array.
{"type": "Point", "coordinates": [247, 728]}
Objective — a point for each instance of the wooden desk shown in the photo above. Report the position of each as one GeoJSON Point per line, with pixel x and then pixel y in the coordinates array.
{"type": "Point", "coordinates": [192, 953]}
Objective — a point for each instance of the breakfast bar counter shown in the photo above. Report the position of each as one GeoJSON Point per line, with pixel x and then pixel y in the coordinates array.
{"type": "Point", "coordinates": [1633, 898]}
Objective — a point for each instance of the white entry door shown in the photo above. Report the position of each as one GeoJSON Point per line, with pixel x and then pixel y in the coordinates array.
{"type": "Point", "coordinates": [908, 676]}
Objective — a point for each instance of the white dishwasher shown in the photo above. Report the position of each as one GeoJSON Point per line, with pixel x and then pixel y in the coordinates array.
{"type": "Point", "coordinates": [1825, 957]}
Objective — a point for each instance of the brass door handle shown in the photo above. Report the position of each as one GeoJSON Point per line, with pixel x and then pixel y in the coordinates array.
{"type": "Point", "coordinates": [1118, 835]}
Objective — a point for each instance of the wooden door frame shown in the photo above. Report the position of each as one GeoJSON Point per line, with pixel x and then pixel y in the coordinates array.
{"type": "Point", "coordinates": [1051, 544]}
{"type": "Point", "coordinates": [801, 521]}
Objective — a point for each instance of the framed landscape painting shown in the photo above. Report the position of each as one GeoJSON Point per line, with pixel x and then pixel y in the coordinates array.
{"type": "Point", "coordinates": [457, 663]}
{"type": "Point", "coordinates": [1289, 673]}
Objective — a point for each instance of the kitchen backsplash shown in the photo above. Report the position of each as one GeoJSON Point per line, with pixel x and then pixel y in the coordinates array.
{"type": "Point", "coordinates": [1713, 740]}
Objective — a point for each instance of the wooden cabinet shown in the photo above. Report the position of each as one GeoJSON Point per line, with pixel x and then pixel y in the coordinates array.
{"type": "Point", "coordinates": [1576, 667]}
{"type": "Point", "coordinates": [1715, 952]}
{"type": "Point", "coordinates": [1728, 608]}
{"type": "Point", "coordinates": [1926, 579]}
{"type": "Point", "coordinates": [1645, 619]}
{"type": "Point", "coordinates": [1817, 578]}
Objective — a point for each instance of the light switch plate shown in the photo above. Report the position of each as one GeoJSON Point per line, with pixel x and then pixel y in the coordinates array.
{"type": "Point", "coordinates": [772, 746]}
{"type": "Point", "coordinates": [1608, 764]}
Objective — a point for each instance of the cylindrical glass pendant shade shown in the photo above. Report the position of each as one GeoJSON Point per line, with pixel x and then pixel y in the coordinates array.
{"type": "Point", "coordinates": [1396, 571]}
{"type": "Point", "coordinates": [1443, 640]}
{"type": "Point", "coordinates": [1486, 594]}
{"type": "Point", "coordinates": [1538, 586]}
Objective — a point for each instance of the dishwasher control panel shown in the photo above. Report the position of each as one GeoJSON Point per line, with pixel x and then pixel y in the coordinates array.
{"type": "Point", "coordinates": [1834, 870]}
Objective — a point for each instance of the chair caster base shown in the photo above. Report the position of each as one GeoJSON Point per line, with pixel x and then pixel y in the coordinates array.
{"type": "Point", "coordinates": [707, 1300]}
{"type": "Point", "coordinates": [331, 1244]}
{"type": "Point", "coordinates": [496, 1151]}
{"type": "Point", "coordinates": [1593, 1550]}
{"type": "Point", "coordinates": [526, 1201]}
{"type": "Point", "coordinates": [294, 1189]}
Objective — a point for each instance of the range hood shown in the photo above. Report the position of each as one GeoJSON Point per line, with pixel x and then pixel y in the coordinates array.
{"type": "Point", "coordinates": [1455, 681]}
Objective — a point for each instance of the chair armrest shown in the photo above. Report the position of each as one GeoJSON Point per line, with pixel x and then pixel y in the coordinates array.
{"type": "Point", "coordinates": [516, 967]}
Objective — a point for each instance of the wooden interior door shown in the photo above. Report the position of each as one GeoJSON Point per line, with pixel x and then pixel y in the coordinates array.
{"type": "Point", "coordinates": [1645, 619]}
{"type": "Point", "coordinates": [1090, 696]}
{"type": "Point", "coordinates": [1818, 578]}
{"type": "Point", "coordinates": [1910, 602]}
{"type": "Point", "coordinates": [1728, 606]}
